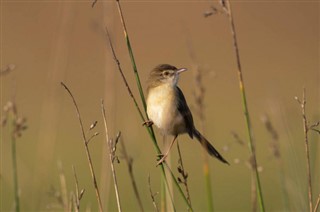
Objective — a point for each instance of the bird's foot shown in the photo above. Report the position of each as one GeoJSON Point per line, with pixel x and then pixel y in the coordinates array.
{"type": "Point", "coordinates": [162, 159]}
{"type": "Point", "coordinates": [147, 123]}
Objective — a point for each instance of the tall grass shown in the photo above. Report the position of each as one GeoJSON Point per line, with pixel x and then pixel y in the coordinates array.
{"type": "Point", "coordinates": [86, 147]}
{"type": "Point", "coordinates": [228, 11]}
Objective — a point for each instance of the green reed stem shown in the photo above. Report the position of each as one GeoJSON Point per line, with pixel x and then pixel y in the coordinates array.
{"type": "Point", "coordinates": [245, 108]}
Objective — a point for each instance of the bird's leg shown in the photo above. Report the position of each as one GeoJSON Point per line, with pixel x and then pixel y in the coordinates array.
{"type": "Point", "coordinates": [147, 123]}
{"type": "Point", "coordinates": [167, 153]}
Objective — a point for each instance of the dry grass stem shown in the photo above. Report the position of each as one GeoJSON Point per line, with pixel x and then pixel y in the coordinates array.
{"type": "Point", "coordinates": [129, 162]}
{"type": "Point", "coordinates": [85, 142]}
{"type": "Point", "coordinates": [153, 195]}
{"type": "Point", "coordinates": [306, 129]}
{"type": "Point", "coordinates": [183, 173]}
{"type": "Point", "coordinates": [112, 154]}
{"type": "Point", "coordinates": [79, 194]}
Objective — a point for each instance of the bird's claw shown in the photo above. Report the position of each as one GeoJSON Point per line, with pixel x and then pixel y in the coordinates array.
{"type": "Point", "coordinates": [161, 159]}
{"type": "Point", "coordinates": [147, 123]}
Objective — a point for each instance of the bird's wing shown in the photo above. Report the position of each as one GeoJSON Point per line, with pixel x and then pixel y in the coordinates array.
{"type": "Point", "coordinates": [185, 112]}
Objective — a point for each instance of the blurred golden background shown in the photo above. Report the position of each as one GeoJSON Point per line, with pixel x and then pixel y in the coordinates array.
{"type": "Point", "coordinates": [54, 41]}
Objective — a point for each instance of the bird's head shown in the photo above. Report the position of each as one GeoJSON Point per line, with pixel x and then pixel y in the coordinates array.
{"type": "Point", "coordinates": [164, 73]}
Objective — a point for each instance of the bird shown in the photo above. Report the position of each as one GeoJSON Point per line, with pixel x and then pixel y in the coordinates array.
{"type": "Point", "coordinates": [168, 110]}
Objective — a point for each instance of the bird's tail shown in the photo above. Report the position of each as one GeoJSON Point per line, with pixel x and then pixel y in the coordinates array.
{"type": "Point", "coordinates": [206, 144]}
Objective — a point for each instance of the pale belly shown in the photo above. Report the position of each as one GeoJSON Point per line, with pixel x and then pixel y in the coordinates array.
{"type": "Point", "coordinates": [162, 110]}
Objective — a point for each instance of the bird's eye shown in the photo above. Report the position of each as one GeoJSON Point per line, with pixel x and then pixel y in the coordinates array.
{"type": "Point", "coordinates": [165, 73]}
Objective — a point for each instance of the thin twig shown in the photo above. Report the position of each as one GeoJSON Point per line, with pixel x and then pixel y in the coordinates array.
{"type": "Point", "coordinates": [227, 8]}
{"type": "Point", "coordinates": [112, 150]}
{"type": "Point", "coordinates": [306, 141]}
{"type": "Point", "coordinates": [77, 202]}
{"type": "Point", "coordinates": [183, 173]}
{"type": "Point", "coordinates": [79, 194]}
{"type": "Point", "coordinates": [129, 161]}
{"type": "Point", "coordinates": [85, 142]}
{"type": "Point", "coordinates": [313, 127]}
{"type": "Point", "coordinates": [152, 195]}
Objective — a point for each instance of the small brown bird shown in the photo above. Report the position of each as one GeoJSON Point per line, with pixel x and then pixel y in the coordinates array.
{"type": "Point", "coordinates": [168, 110]}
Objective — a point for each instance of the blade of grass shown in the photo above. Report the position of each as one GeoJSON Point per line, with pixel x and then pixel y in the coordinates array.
{"type": "Point", "coordinates": [85, 142]}
{"type": "Point", "coordinates": [227, 7]}
{"type": "Point", "coordinates": [112, 149]}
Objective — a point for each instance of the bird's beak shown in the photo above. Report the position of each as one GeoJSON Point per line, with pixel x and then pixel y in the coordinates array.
{"type": "Point", "coordinates": [181, 70]}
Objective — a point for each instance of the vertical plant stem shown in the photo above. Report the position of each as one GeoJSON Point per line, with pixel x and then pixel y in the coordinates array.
{"type": "Point", "coordinates": [183, 173]}
{"type": "Point", "coordinates": [112, 150]}
{"type": "Point", "coordinates": [85, 142]}
{"type": "Point", "coordinates": [77, 198]}
{"type": "Point", "coordinates": [130, 170]}
{"type": "Point", "coordinates": [14, 133]}
{"type": "Point", "coordinates": [306, 140]}
{"type": "Point", "coordinates": [245, 108]}
{"type": "Point", "coordinates": [15, 173]}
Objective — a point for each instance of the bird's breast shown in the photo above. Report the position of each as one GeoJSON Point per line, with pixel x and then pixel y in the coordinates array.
{"type": "Point", "coordinates": [162, 108]}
